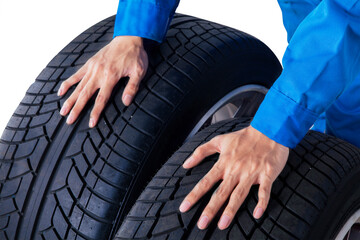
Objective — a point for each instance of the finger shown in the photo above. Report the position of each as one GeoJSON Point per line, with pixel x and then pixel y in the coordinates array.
{"type": "Point", "coordinates": [202, 151]}
{"type": "Point", "coordinates": [131, 89]}
{"type": "Point", "coordinates": [202, 187]}
{"type": "Point", "coordinates": [75, 78]}
{"type": "Point", "coordinates": [100, 102]}
{"type": "Point", "coordinates": [68, 104]}
{"type": "Point", "coordinates": [83, 98]}
{"type": "Point", "coordinates": [217, 200]}
{"type": "Point", "coordinates": [264, 196]}
{"type": "Point", "coordinates": [236, 199]}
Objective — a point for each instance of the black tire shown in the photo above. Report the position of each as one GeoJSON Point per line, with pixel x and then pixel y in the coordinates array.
{"type": "Point", "coordinates": [72, 182]}
{"type": "Point", "coordinates": [311, 199]}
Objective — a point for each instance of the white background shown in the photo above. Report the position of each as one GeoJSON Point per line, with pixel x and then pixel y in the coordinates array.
{"type": "Point", "coordinates": [33, 32]}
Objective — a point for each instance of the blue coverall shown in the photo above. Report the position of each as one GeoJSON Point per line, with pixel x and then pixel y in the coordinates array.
{"type": "Point", "coordinates": [321, 65]}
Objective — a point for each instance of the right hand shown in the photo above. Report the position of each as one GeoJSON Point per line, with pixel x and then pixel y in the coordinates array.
{"type": "Point", "coordinates": [123, 56]}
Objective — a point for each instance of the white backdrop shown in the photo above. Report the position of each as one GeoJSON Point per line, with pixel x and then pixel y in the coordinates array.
{"type": "Point", "coordinates": [33, 32]}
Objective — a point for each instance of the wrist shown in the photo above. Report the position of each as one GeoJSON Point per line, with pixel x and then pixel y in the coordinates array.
{"type": "Point", "coordinates": [133, 40]}
{"type": "Point", "coordinates": [262, 137]}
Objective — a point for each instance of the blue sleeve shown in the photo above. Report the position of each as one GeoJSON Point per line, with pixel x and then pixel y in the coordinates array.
{"type": "Point", "coordinates": [294, 12]}
{"type": "Point", "coordinates": [144, 18]}
{"type": "Point", "coordinates": [321, 60]}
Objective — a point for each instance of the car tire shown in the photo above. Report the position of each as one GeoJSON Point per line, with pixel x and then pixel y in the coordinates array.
{"type": "Point", "coordinates": [314, 196]}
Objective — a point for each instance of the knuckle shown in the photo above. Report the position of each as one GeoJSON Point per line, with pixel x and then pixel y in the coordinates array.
{"type": "Point", "coordinates": [79, 88]}
{"type": "Point", "coordinates": [85, 93]}
{"type": "Point", "coordinates": [268, 180]}
{"type": "Point", "coordinates": [105, 71]}
{"type": "Point", "coordinates": [230, 211]}
{"type": "Point", "coordinates": [94, 114]}
{"type": "Point", "coordinates": [140, 71]}
{"type": "Point", "coordinates": [72, 99]}
{"type": "Point", "coordinates": [249, 174]}
{"type": "Point", "coordinates": [133, 86]}
{"type": "Point", "coordinates": [69, 102]}
{"type": "Point", "coordinates": [218, 167]}
{"type": "Point", "coordinates": [270, 171]}
{"type": "Point", "coordinates": [98, 106]}
{"type": "Point", "coordinates": [231, 176]}
{"type": "Point", "coordinates": [139, 68]}
{"type": "Point", "coordinates": [246, 176]}
{"type": "Point", "coordinates": [263, 202]}
{"type": "Point", "coordinates": [112, 68]}
{"type": "Point", "coordinates": [193, 195]}
{"type": "Point", "coordinates": [238, 196]}
{"type": "Point", "coordinates": [235, 172]}
{"type": "Point", "coordinates": [109, 72]}
{"type": "Point", "coordinates": [74, 111]}
{"type": "Point", "coordinates": [264, 192]}
{"type": "Point", "coordinates": [204, 183]}
{"type": "Point", "coordinates": [265, 189]}
{"type": "Point", "coordinates": [101, 98]}
{"type": "Point", "coordinates": [210, 210]}
{"type": "Point", "coordinates": [221, 192]}
{"type": "Point", "coordinates": [73, 96]}
{"type": "Point", "coordinates": [198, 152]}
{"type": "Point", "coordinates": [254, 169]}
{"type": "Point", "coordinates": [100, 66]}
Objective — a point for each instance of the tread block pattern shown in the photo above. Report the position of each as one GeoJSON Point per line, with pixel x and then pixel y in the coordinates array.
{"type": "Point", "coordinates": [298, 195]}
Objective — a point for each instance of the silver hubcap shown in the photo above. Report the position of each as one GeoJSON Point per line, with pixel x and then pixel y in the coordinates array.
{"type": "Point", "coordinates": [351, 229]}
{"type": "Point", "coordinates": [241, 102]}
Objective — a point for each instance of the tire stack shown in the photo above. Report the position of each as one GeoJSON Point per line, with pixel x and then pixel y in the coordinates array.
{"type": "Point", "coordinates": [73, 182]}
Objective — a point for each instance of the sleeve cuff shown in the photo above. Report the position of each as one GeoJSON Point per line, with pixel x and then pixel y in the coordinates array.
{"type": "Point", "coordinates": [142, 19]}
{"type": "Point", "coordinates": [282, 119]}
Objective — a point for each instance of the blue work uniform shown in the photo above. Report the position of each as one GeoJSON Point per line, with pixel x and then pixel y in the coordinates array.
{"type": "Point", "coordinates": [321, 65]}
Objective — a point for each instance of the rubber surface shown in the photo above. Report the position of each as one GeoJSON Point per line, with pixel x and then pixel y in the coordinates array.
{"type": "Point", "coordinates": [310, 199]}
{"type": "Point", "coordinates": [72, 182]}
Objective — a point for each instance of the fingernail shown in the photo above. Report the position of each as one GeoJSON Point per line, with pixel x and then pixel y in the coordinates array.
{"type": "Point", "coordinates": [69, 120]}
{"type": "Point", "coordinates": [127, 99]}
{"type": "Point", "coordinates": [91, 122]}
{"type": "Point", "coordinates": [60, 91]}
{"type": "Point", "coordinates": [184, 206]}
{"type": "Point", "coordinates": [224, 221]}
{"type": "Point", "coordinates": [63, 110]}
{"type": "Point", "coordinates": [259, 211]}
{"type": "Point", "coordinates": [188, 161]}
{"type": "Point", "coordinates": [203, 222]}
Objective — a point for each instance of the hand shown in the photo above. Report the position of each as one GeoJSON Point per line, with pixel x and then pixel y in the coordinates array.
{"type": "Point", "coordinates": [247, 157]}
{"type": "Point", "coordinates": [123, 56]}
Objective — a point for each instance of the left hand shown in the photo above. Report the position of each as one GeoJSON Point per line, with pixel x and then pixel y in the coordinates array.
{"type": "Point", "coordinates": [123, 56]}
{"type": "Point", "coordinates": [247, 157]}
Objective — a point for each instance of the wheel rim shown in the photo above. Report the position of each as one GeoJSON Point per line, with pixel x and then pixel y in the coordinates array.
{"type": "Point", "coordinates": [351, 229]}
{"type": "Point", "coordinates": [241, 102]}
